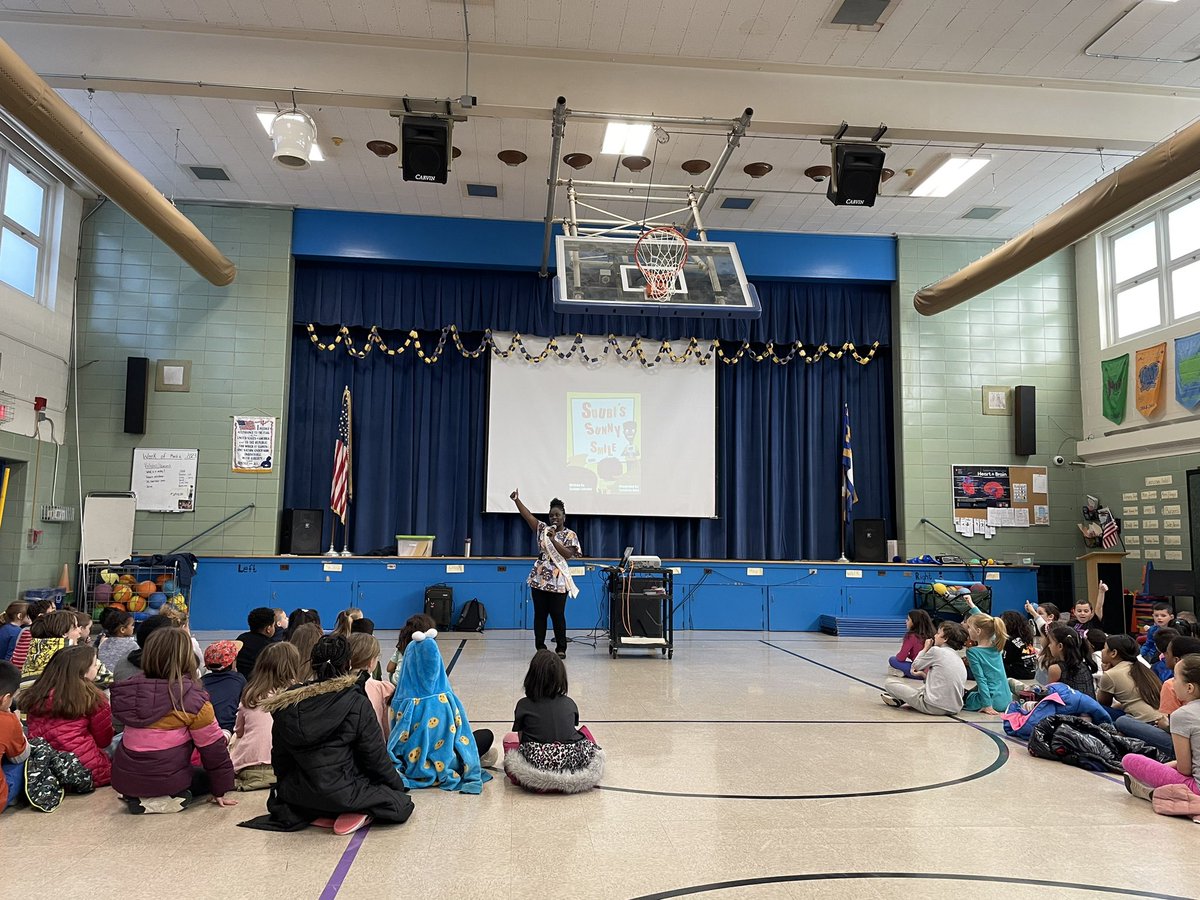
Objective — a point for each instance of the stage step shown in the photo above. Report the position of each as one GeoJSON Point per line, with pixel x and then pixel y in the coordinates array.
{"type": "Point", "coordinates": [850, 626]}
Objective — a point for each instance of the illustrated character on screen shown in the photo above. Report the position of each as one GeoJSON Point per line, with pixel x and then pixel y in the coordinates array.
{"type": "Point", "coordinates": [431, 743]}
{"type": "Point", "coordinates": [627, 446]}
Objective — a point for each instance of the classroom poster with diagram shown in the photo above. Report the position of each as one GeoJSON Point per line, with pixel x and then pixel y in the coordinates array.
{"type": "Point", "coordinates": [981, 487]}
{"type": "Point", "coordinates": [604, 439]}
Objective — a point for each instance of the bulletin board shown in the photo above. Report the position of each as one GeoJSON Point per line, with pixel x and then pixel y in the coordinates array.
{"type": "Point", "coordinates": [164, 480]}
{"type": "Point", "coordinates": [1002, 496]}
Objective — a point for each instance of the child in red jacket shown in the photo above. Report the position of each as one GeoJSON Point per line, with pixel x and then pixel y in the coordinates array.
{"type": "Point", "coordinates": [920, 629]}
{"type": "Point", "coordinates": [65, 707]}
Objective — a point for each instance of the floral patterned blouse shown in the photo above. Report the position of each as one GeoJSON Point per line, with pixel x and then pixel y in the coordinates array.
{"type": "Point", "coordinates": [545, 575]}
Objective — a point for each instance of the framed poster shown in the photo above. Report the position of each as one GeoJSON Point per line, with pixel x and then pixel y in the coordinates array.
{"type": "Point", "coordinates": [253, 444]}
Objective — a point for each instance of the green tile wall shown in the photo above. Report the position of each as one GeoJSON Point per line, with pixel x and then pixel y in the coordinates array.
{"type": "Point", "coordinates": [1022, 332]}
{"type": "Point", "coordinates": [138, 299]}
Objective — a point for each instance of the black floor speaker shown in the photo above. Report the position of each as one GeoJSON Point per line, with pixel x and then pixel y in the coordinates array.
{"type": "Point", "coordinates": [870, 542]}
{"type": "Point", "coordinates": [300, 532]}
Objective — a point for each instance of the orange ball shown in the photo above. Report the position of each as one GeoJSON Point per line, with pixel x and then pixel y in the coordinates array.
{"type": "Point", "coordinates": [160, 580]}
{"type": "Point", "coordinates": [121, 594]}
{"type": "Point", "coordinates": [146, 588]}
{"type": "Point", "coordinates": [120, 606]}
{"type": "Point", "coordinates": [137, 603]}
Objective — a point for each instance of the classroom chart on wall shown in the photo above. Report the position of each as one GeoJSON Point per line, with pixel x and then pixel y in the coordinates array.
{"type": "Point", "coordinates": [253, 444]}
{"type": "Point", "coordinates": [164, 480]}
{"type": "Point", "coordinates": [990, 497]}
{"type": "Point", "coordinates": [611, 437]}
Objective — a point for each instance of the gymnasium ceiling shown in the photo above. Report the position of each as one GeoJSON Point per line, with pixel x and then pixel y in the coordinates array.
{"type": "Point", "coordinates": [177, 82]}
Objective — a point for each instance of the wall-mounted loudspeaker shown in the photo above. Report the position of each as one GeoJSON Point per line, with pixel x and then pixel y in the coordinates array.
{"type": "Point", "coordinates": [1025, 420]}
{"type": "Point", "coordinates": [300, 532]}
{"type": "Point", "coordinates": [137, 384]}
{"type": "Point", "coordinates": [856, 173]}
{"type": "Point", "coordinates": [425, 149]}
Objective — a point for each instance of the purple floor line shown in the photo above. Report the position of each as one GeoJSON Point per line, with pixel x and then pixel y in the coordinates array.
{"type": "Point", "coordinates": [343, 867]}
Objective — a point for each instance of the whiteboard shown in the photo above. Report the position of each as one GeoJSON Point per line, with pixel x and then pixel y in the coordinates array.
{"type": "Point", "coordinates": [164, 480]}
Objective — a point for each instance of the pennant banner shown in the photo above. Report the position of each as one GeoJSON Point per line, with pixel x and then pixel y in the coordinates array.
{"type": "Point", "coordinates": [1187, 370]}
{"type": "Point", "coordinates": [1149, 363]}
{"type": "Point", "coordinates": [1115, 376]}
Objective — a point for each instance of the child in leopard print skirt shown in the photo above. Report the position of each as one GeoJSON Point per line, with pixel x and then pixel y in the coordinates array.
{"type": "Point", "coordinates": [548, 750]}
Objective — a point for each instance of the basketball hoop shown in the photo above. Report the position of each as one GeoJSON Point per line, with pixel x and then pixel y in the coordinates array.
{"type": "Point", "coordinates": [660, 254]}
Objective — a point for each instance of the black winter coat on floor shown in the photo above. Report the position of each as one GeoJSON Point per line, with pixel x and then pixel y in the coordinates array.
{"type": "Point", "coordinates": [329, 757]}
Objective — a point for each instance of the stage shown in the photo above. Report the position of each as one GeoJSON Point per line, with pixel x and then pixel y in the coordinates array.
{"type": "Point", "coordinates": [710, 595]}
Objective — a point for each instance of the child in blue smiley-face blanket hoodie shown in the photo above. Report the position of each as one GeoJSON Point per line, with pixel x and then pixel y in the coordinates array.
{"type": "Point", "coordinates": [431, 741]}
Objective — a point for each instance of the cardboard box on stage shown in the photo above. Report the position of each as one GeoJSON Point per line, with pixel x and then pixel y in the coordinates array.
{"type": "Point", "coordinates": [414, 544]}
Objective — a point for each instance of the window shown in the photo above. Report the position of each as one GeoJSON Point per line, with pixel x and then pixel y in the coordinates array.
{"type": "Point", "coordinates": [25, 196]}
{"type": "Point", "coordinates": [1154, 270]}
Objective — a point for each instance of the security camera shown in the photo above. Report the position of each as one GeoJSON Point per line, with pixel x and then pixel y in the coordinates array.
{"type": "Point", "coordinates": [1060, 461]}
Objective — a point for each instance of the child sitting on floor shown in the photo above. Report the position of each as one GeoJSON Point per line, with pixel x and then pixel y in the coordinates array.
{"type": "Point", "coordinates": [1158, 734]}
{"type": "Point", "coordinates": [1020, 659]}
{"type": "Point", "coordinates": [945, 676]}
{"type": "Point", "coordinates": [985, 661]}
{"type": "Point", "coordinates": [920, 629]}
{"type": "Point", "coordinates": [548, 749]}
{"type": "Point", "coordinates": [33, 612]}
{"type": "Point", "coordinates": [276, 670]}
{"type": "Point", "coordinates": [345, 620]}
{"type": "Point", "coordinates": [118, 641]}
{"type": "Point", "coordinates": [14, 749]}
{"type": "Point", "coordinates": [364, 657]}
{"type": "Point", "coordinates": [16, 619]}
{"type": "Point", "coordinates": [1144, 775]}
{"type": "Point", "coordinates": [1160, 617]}
{"type": "Point", "coordinates": [1162, 640]}
{"type": "Point", "coordinates": [65, 708]}
{"type": "Point", "coordinates": [419, 622]}
{"type": "Point", "coordinates": [49, 634]}
{"type": "Point", "coordinates": [1088, 614]}
{"type": "Point", "coordinates": [167, 715]}
{"type": "Point", "coordinates": [223, 684]}
{"type": "Point", "coordinates": [1069, 660]}
{"type": "Point", "coordinates": [281, 625]}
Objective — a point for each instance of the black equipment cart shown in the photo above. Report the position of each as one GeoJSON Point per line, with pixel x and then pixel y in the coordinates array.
{"type": "Point", "coordinates": [639, 611]}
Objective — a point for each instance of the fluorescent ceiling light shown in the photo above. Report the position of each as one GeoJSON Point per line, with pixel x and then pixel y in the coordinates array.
{"type": "Point", "coordinates": [951, 174]}
{"type": "Point", "coordinates": [625, 138]}
{"type": "Point", "coordinates": [267, 116]}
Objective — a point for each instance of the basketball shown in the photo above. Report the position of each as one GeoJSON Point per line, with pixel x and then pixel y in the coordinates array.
{"type": "Point", "coordinates": [939, 588]}
{"type": "Point", "coordinates": [120, 606]}
{"type": "Point", "coordinates": [137, 603]}
{"type": "Point", "coordinates": [161, 579]}
{"type": "Point", "coordinates": [102, 593]}
{"type": "Point", "coordinates": [169, 587]}
{"type": "Point", "coordinates": [146, 588]}
{"type": "Point", "coordinates": [157, 599]}
{"type": "Point", "coordinates": [127, 579]}
{"type": "Point", "coordinates": [977, 588]}
{"type": "Point", "coordinates": [141, 616]}
{"type": "Point", "coordinates": [121, 594]}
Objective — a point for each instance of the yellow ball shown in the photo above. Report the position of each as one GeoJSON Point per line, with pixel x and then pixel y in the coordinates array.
{"type": "Point", "coordinates": [137, 603]}
{"type": "Point", "coordinates": [939, 588]}
{"type": "Point", "coordinates": [108, 577]}
{"type": "Point", "coordinates": [122, 593]}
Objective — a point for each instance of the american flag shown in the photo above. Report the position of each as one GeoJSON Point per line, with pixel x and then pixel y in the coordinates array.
{"type": "Point", "coordinates": [1108, 536]}
{"type": "Point", "coordinates": [849, 495]}
{"type": "Point", "coordinates": [342, 490]}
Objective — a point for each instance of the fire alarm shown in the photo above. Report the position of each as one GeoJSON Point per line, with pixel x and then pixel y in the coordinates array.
{"type": "Point", "coordinates": [39, 403]}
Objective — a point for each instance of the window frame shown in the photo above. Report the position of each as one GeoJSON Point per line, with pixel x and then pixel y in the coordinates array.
{"type": "Point", "coordinates": [1164, 269]}
{"type": "Point", "coordinates": [42, 241]}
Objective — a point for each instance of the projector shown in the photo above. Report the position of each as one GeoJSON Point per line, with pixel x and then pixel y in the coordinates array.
{"type": "Point", "coordinates": [645, 562]}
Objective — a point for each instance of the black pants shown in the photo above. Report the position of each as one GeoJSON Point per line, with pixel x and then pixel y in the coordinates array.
{"type": "Point", "coordinates": [554, 605]}
{"type": "Point", "coordinates": [484, 739]}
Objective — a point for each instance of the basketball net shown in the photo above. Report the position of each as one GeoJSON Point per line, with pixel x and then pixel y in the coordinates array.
{"type": "Point", "coordinates": [660, 254]}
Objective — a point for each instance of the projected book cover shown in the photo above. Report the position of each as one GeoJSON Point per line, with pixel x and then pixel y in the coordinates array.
{"type": "Point", "coordinates": [604, 451]}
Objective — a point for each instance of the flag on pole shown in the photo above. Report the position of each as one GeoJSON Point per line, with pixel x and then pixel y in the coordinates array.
{"type": "Point", "coordinates": [849, 495]}
{"type": "Point", "coordinates": [342, 490]}
{"type": "Point", "coordinates": [1108, 536]}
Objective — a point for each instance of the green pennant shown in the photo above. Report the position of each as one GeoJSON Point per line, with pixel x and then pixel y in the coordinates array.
{"type": "Point", "coordinates": [1115, 376]}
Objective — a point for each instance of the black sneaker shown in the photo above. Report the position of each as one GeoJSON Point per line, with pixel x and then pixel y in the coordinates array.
{"type": "Point", "coordinates": [170, 804]}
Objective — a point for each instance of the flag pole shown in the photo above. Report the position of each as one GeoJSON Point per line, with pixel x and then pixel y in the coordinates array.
{"type": "Point", "coordinates": [346, 534]}
{"type": "Point", "coordinates": [332, 533]}
{"type": "Point", "coordinates": [349, 474]}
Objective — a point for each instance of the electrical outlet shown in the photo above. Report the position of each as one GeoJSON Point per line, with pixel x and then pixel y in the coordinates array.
{"type": "Point", "coordinates": [708, 571]}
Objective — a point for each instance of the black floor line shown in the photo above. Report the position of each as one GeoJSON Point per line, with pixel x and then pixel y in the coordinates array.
{"type": "Point", "coordinates": [905, 876]}
{"type": "Point", "coordinates": [457, 654]}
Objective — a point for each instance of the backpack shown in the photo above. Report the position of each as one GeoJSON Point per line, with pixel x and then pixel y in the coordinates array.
{"type": "Point", "coordinates": [472, 618]}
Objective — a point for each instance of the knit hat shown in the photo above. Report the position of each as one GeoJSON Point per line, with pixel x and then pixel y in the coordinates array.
{"type": "Point", "coordinates": [220, 654]}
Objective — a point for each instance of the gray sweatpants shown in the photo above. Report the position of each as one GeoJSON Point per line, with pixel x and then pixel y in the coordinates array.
{"type": "Point", "coordinates": [912, 693]}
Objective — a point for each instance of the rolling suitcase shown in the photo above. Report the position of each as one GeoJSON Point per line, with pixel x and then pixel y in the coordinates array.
{"type": "Point", "coordinates": [439, 605]}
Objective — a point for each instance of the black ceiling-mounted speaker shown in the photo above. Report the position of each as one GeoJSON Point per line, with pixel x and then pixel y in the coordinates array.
{"type": "Point", "coordinates": [137, 388]}
{"type": "Point", "coordinates": [425, 149]}
{"type": "Point", "coordinates": [857, 169]}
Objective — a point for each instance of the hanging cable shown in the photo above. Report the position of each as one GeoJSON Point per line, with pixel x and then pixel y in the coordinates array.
{"type": "Point", "coordinates": [467, 33]}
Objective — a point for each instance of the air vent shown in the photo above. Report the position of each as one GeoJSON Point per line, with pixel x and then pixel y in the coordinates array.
{"type": "Point", "coordinates": [983, 212]}
{"type": "Point", "coordinates": [208, 173]}
{"type": "Point", "coordinates": [483, 190]}
{"type": "Point", "coordinates": [859, 15]}
{"type": "Point", "coordinates": [737, 203]}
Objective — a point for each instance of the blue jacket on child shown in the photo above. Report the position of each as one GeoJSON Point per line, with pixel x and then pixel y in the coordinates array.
{"type": "Point", "coordinates": [225, 691]}
{"type": "Point", "coordinates": [1150, 649]}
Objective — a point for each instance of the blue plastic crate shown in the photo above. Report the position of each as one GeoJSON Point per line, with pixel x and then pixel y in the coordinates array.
{"type": "Point", "coordinates": [55, 593]}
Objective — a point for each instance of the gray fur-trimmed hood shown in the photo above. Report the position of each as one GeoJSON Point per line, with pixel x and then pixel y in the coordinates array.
{"type": "Point", "coordinates": [517, 767]}
{"type": "Point", "coordinates": [313, 714]}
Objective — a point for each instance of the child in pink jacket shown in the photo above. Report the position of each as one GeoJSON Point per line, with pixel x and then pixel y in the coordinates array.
{"type": "Point", "coordinates": [920, 629]}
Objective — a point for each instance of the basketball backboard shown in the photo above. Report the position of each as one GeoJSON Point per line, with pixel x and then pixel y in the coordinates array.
{"type": "Point", "coordinates": [600, 276]}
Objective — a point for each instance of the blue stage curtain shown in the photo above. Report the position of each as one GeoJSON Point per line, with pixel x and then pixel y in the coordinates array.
{"type": "Point", "coordinates": [420, 429]}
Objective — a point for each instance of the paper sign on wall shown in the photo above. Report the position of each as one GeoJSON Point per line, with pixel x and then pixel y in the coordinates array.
{"type": "Point", "coordinates": [253, 444]}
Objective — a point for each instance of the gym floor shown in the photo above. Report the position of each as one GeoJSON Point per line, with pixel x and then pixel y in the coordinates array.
{"type": "Point", "coordinates": [749, 766]}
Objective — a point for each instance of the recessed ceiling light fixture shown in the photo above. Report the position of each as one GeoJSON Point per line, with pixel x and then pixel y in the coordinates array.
{"type": "Point", "coordinates": [949, 175]}
{"type": "Point", "coordinates": [625, 138]}
{"type": "Point", "coordinates": [296, 127]}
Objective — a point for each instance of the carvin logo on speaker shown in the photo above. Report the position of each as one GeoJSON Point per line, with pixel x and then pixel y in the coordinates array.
{"type": "Point", "coordinates": [854, 202]}
{"type": "Point", "coordinates": [425, 177]}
